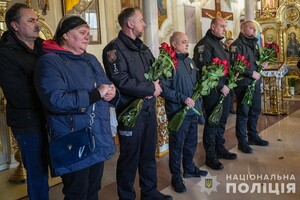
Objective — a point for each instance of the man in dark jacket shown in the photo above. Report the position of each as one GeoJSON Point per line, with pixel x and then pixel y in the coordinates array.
{"type": "Point", "coordinates": [126, 59]}
{"type": "Point", "coordinates": [247, 116]}
{"type": "Point", "coordinates": [178, 91]}
{"type": "Point", "coordinates": [205, 51]}
{"type": "Point", "coordinates": [227, 44]}
{"type": "Point", "coordinates": [19, 51]}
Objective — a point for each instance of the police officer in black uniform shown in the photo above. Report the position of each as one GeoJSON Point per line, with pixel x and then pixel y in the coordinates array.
{"type": "Point", "coordinates": [177, 90]}
{"type": "Point", "coordinates": [205, 51]}
{"type": "Point", "coordinates": [126, 59]}
{"type": "Point", "coordinates": [247, 116]}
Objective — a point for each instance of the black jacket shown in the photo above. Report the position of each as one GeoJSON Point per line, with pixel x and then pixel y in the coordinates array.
{"type": "Point", "coordinates": [247, 47]}
{"type": "Point", "coordinates": [208, 48]}
{"type": "Point", "coordinates": [17, 64]}
{"type": "Point", "coordinates": [180, 86]}
{"type": "Point", "coordinates": [126, 61]}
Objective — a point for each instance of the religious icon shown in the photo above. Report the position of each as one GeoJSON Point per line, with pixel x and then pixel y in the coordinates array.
{"type": "Point", "coordinates": [162, 11]}
{"type": "Point", "coordinates": [293, 45]}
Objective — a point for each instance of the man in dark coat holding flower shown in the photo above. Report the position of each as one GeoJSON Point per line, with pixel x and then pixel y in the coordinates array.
{"type": "Point", "coordinates": [126, 60]}
{"type": "Point", "coordinates": [247, 116]}
{"type": "Point", "coordinates": [205, 51]}
{"type": "Point", "coordinates": [177, 91]}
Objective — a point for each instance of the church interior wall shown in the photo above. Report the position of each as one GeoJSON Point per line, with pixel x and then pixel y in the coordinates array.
{"type": "Point", "coordinates": [109, 28]}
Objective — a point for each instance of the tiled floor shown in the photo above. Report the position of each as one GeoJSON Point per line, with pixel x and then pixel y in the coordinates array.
{"type": "Point", "coordinates": [280, 159]}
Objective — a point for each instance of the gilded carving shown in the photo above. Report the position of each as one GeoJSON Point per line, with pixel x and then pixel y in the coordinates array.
{"type": "Point", "coordinates": [291, 15]}
{"type": "Point", "coordinates": [269, 8]}
{"type": "Point", "coordinates": [162, 122]}
{"type": "Point", "coordinates": [45, 30]}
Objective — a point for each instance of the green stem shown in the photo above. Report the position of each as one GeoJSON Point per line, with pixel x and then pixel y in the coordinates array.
{"type": "Point", "coordinates": [167, 57]}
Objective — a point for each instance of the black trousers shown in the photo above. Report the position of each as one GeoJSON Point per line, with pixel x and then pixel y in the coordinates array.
{"type": "Point", "coordinates": [182, 146]}
{"type": "Point", "coordinates": [213, 136]}
{"type": "Point", "coordinates": [83, 184]}
{"type": "Point", "coordinates": [137, 152]}
{"type": "Point", "coordinates": [247, 116]}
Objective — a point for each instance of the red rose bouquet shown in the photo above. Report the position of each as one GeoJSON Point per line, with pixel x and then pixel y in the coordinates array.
{"type": "Point", "coordinates": [268, 53]}
{"type": "Point", "coordinates": [237, 68]}
{"type": "Point", "coordinates": [162, 66]}
{"type": "Point", "coordinates": [209, 80]}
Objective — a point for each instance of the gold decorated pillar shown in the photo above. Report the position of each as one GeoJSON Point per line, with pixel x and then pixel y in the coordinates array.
{"type": "Point", "coordinates": [162, 128]}
{"type": "Point", "coordinates": [19, 174]}
{"type": "Point", "coordinates": [3, 8]}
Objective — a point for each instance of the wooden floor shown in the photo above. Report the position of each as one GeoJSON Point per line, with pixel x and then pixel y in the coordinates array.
{"type": "Point", "coordinates": [280, 158]}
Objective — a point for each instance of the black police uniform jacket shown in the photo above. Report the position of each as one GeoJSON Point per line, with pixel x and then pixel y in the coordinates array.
{"type": "Point", "coordinates": [206, 50]}
{"type": "Point", "coordinates": [247, 47]}
{"type": "Point", "coordinates": [180, 86]}
{"type": "Point", "coordinates": [126, 61]}
{"type": "Point", "coordinates": [17, 64]}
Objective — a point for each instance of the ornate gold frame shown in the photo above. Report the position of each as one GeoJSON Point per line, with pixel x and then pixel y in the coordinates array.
{"type": "Point", "coordinates": [286, 37]}
{"type": "Point", "coordinates": [45, 31]}
{"type": "Point", "coordinates": [281, 25]}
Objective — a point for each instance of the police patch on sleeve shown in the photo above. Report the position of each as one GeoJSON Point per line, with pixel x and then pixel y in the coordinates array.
{"type": "Point", "coordinates": [112, 55]}
{"type": "Point", "coordinates": [200, 49]}
{"type": "Point", "coordinates": [233, 49]}
{"type": "Point", "coordinates": [115, 69]}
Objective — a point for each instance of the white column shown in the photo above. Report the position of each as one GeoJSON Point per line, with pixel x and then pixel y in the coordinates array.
{"type": "Point", "coordinates": [250, 7]}
{"type": "Point", "coordinates": [112, 10]}
{"type": "Point", "coordinates": [151, 38]}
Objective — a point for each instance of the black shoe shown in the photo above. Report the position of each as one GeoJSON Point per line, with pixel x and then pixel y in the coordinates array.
{"type": "Point", "coordinates": [232, 111]}
{"type": "Point", "coordinates": [214, 164]}
{"type": "Point", "coordinates": [244, 147]}
{"type": "Point", "coordinates": [157, 196]}
{"type": "Point", "coordinates": [197, 173]}
{"type": "Point", "coordinates": [227, 155]}
{"type": "Point", "coordinates": [258, 141]}
{"type": "Point", "coordinates": [178, 185]}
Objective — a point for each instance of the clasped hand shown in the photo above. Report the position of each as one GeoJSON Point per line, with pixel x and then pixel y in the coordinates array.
{"type": "Point", "coordinates": [107, 92]}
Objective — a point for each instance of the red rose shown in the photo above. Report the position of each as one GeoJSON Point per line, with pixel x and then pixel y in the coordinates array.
{"type": "Point", "coordinates": [172, 54]}
{"type": "Point", "coordinates": [164, 46]}
{"type": "Point", "coordinates": [216, 61]}
{"type": "Point", "coordinates": [224, 62]}
{"type": "Point", "coordinates": [225, 69]}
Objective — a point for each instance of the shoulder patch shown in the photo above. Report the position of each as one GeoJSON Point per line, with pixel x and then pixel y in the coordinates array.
{"type": "Point", "coordinates": [233, 49]}
{"type": "Point", "coordinates": [200, 49]}
{"type": "Point", "coordinates": [112, 55]}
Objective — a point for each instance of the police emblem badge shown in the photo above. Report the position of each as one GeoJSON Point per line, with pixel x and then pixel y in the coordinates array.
{"type": "Point", "coordinates": [208, 183]}
{"type": "Point", "coordinates": [200, 49]}
{"type": "Point", "coordinates": [233, 49]}
{"type": "Point", "coordinates": [112, 55]}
